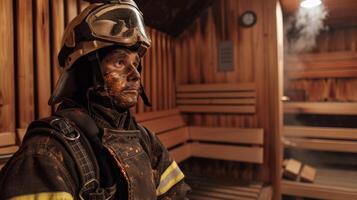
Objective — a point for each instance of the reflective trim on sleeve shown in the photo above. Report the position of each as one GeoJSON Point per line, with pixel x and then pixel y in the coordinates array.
{"type": "Point", "coordinates": [169, 178]}
{"type": "Point", "coordinates": [45, 196]}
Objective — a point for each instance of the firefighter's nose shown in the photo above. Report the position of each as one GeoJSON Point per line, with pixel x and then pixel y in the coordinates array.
{"type": "Point", "coordinates": [134, 75]}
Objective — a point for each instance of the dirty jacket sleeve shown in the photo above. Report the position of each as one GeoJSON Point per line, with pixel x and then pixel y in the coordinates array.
{"type": "Point", "coordinates": [170, 184]}
{"type": "Point", "coordinates": [37, 171]}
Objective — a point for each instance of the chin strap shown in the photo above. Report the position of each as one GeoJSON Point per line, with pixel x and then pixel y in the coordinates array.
{"type": "Point", "coordinates": [143, 95]}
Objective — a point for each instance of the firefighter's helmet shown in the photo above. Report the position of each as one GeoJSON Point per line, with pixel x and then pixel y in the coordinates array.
{"type": "Point", "coordinates": [100, 25]}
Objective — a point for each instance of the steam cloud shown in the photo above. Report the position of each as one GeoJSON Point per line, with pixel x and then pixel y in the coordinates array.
{"type": "Point", "coordinates": [302, 29]}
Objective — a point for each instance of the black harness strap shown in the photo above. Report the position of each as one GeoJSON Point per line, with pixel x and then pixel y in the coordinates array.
{"type": "Point", "coordinates": [69, 134]}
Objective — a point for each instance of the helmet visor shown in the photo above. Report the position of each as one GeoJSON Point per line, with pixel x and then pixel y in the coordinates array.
{"type": "Point", "coordinates": [121, 24]}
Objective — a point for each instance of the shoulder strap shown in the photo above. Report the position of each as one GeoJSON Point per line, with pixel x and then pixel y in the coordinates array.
{"type": "Point", "coordinates": [68, 132]}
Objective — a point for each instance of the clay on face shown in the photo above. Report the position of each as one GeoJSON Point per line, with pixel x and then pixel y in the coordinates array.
{"type": "Point", "coordinates": [121, 77]}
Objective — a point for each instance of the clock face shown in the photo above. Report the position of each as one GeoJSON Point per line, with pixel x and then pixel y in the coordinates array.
{"type": "Point", "coordinates": [248, 19]}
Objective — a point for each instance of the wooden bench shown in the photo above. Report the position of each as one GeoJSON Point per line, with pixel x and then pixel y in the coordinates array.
{"type": "Point", "coordinates": [234, 144]}
{"type": "Point", "coordinates": [322, 138]}
{"type": "Point", "coordinates": [7, 147]}
{"type": "Point", "coordinates": [330, 183]}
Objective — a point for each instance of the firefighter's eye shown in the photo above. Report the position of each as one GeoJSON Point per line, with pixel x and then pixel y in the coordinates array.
{"type": "Point", "coordinates": [119, 64]}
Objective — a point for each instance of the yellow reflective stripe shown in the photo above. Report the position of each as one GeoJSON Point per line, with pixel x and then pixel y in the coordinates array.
{"type": "Point", "coordinates": [45, 196]}
{"type": "Point", "coordinates": [169, 178]}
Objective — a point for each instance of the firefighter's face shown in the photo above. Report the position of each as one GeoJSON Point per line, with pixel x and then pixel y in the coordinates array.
{"type": "Point", "coordinates": [121, 76]}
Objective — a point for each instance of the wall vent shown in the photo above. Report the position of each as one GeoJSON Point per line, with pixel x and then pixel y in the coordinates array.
{"type": "Point", "coordinates": [225, 56]}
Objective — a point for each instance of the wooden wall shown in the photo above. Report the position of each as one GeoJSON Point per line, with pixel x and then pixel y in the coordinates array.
{"type": "Point", "coordinates": [329, 72]}
{"type": "Point", "coordinates": [31, 34]}
{"type": "Point", "coordinates": [256, 60]}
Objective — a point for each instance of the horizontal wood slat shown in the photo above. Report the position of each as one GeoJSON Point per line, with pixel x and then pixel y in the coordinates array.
{"type": "Point", "coordinates": [217, 98]}
{"type": "Point", "coordinates": [228, 152]}
{"type": "Point", "coordinates": [7, 139]}
{"type": "Point", "coordinates": [318, 191]}
{"type": "Point", "coordinates": [21, 133]}
{"type": "Point", "coordinates": [226, 95]}
{"type": "Point", "coordinates": [320, 132]}
{"type": "Point", "coordinates": [141, 117]}
{"type": "Point", "coordinates": [164, 124]}
{"type": "Point", "coordinates": [217, 109]}
{"type": "Point", "coordinates": [216, 87]}
{"type": "Point", "coordinates": [324, 145]}
{"type": "Point", "coordinates": [9, 150]}
{"type": "Point", "coordinates": [233, 135]}
{"type": "Point", "coordinates": [321, 108]}
{"type": "Point", "coordinates": [181, 153]}
{"type": "Point", "coordinates": [217, 101]}
{"type": "Point", "coordinates": [323, 74]}
{"type": "Point", "coordinates": [323, 65]}
{"type": "Point", "coordinates": [266, 193]}
{"type": "Point", "coordinates": [174, 137]}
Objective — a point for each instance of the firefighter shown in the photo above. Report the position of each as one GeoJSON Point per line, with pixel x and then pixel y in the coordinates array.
{"type": "Point", "coordinates": [92, 147]}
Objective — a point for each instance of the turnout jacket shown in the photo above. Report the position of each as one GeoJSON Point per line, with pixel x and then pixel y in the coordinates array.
{"type": "Point", "coordinates": [118, 159]}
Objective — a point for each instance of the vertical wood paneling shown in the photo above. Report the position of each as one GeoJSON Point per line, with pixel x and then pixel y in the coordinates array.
{"type": "Point", "coordinates": [154, 71]}
{"type": "Point", "coordinates": [328, 89]}
{"type": "Point", "coordinates": [58, 21]}
{"type": "Point", "coordinates": [43, 61]}
{"type": "Point", "coordinates": [71, 10]}
{"type": "Point", "coordinates": [255, 60]}
{"type": "Point", "coordinates": [7, 88]}
{"type": "Point", "coordinates": [25, 70]}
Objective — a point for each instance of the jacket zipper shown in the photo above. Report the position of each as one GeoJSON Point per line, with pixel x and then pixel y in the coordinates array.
{"type": "Point", "coordinates": [112, 152]}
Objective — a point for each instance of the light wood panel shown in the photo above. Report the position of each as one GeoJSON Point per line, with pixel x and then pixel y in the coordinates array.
{"type": "Point", "coordinates": [141, 117]}
{"type": "Point", "coordinates": [7, 86]}
{"type": "Point", "coordinates": [329, 72]}
{"type": "Point", "coordinates": [25, 68]}
{"type": "Point", "coordinates": [324, 145]}
{"type": "Point", "coordinates": [327, 108]}
{"type": "Point", "coordinates": [228, 152]}
{"type": "Point", "coordinates": [320, 132]}
{"type": "Point", "coordinates": [181, 153]}
{"type": "Point", "coordinates": [164, 124]}
{"type": "Point", "coordinates": [7, 139]}
{"type": "Point", "coordinates": [42, 57]}
{"type": "Point", "coordinates": [231, 135]}
{"type": "Point", "coordinates": [57, 27]}
{"type": "Point", "coordinates": [216, 98]}
{"type": "Point", "coordinates": [319, 191]}
{"type": "Point", "coordinates": [174, 137]}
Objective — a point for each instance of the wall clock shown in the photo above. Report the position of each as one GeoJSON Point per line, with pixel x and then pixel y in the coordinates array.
{"type": "Point", "coordinates": [248, 19]}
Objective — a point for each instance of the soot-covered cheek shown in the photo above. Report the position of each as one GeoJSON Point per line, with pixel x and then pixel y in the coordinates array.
{"type": "Point", "coordinates": [115, 81]}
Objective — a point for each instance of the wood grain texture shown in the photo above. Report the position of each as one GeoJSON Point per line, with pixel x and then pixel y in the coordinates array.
{"type": "Point", "coordinates": [231, 135]}
{"type": "Point", "coordinates": [7, 85]}
{"type": "Point", "coordinates": [164, 124]}
{"type": "Point", "coordinates": [43, 58]}
{"type": "Point", "coordinates": [70, 10]}
{"type": "Point", "coordinates": [25, 68]}
{"type": "Point", "coordinates": [256, 60]}
{"type": "Point", "coordinates": [327, 108]}
{"type": "Point", "coordinates": [329, 72]}
{"type": "Point", "coordinates": [319, 191]}
{"type": "Point", "coordinates": [320, 132]}
{"type": "Point", "coordinates": [174, 137]}
{"type": "Point", "coordinates": [58, 23]}
{"type": "Point", "coordinates": [7, 138]}
{"type": "Point", "coordinates": [330, 145]}
{"type": "Point", "coordinates": [228, 152]}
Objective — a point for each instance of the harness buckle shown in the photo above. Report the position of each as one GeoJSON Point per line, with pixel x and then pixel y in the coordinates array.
{"type": "Point", "coordinates": [64, 126]}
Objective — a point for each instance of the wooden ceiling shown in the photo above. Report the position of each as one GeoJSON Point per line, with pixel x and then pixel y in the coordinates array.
{"type": "Point", "coordinates": [342, 13]}
{"type": "Point", "coordinates": [170, 16]}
